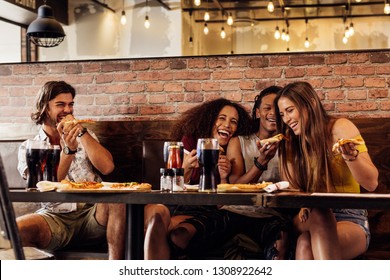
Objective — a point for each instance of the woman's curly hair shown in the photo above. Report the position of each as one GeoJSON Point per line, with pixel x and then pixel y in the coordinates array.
{"type": "Point", "coordinates": [199, 121]}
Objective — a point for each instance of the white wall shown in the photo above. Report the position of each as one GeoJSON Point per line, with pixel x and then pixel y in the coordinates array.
{"type": "Point", "coordinates": [10, 43]}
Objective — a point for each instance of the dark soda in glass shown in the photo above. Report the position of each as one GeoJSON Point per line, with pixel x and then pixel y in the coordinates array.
{"type": "Point", "coordinates": [52, 162]}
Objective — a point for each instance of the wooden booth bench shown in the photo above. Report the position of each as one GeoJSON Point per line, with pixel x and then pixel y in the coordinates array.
{"type": "Point", "coordinates": [137, 148]}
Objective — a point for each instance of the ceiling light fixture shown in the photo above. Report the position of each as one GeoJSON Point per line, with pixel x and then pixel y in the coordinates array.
{"type": "Point", "coordinates": [270, 6]}
{"type": "Point", "coordinates": [307, 42]}
{"type": "Point", "coordinates": [147, 22]}
{"type": "Point", "coordinates": [205, 29]}
{"type": "Point", "coordinates": [230, 19]}
{"type": "Point", "coordinates": [45, 31]}
{"type": "Point", "coordinates": [206, 16]}
{"type": "Point", "coordinates": [277, 33]}
{"type": "Point", "coordinates": [223, 33]}
{"type": "Point", "coordinates": [386, 9]}
{"type": "Point", "coordinates": [123, 17]}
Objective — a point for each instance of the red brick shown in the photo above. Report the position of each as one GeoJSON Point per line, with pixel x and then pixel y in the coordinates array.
{"type": "Point", "coordinates": [378, 93]}
{"type": "Point", "coordinates": [259, 62]}
{"type": "Point", "coordinates": [173, 87]}
{"type": "Point", "coordinates": [159, 64]}
{"type": "Point", "coordinates": [193, 97]}
{"type": "Point", "coordinates": [155, 87]}
{"type": "Point", "coordinates": [353, 82]}
{"type": "Point", "coordinates": [380, 57]}
{"type": "Point", "coordinates": [331, 83]}
{"type": "Point", "coordinates": [104, 78]}
{"type": "Point", "coordinates": [139, 99]}
{"type": "Point", "coordinates": [335, 95]}
{"type": "Point", "coordinates": [319, 71]}
{"type": "Point", "coordinates": [305, 60]}
{"type": "Point", "coordinates": [357, 94]}
{"type": "Point", "coordinates": [237, 62]}
{"type": "Point", "coordinates": [338, 58]}
{"type": "Point", "coordinates": [229, 86]}
{"type": "Point", "coordinates": [154, 110]}
{"type": "Point", "coordinates": [227, 75]}
{"type": "Point", "coordinates": [246, 85]}
{"type": "Point", "coordinates": [263, 73]}
{"type": "Point", "coordinates": [294, 72]}
{"type": "Point", "coordinates": [89, 100]}
{"type": "Point", "coordinates": [157, 98]}
{"type": "Point", "coordinates": [279, 61]}
{"type": "Point", "coordinates": [17, 69]}
{"type": "Point", "coordinates": [358, 58]}
{"type": "Point", "coordinates": [383, 70]}
{"type": "Point", "coordinates": [192, 75]}
{"type": "Point", "coordinates": [73, 69]}
{"type": "Point", "coordinates": [217, 63]}
{"type": "Point", "coordinates": [120, 99]}
{"type": "Point", "coordinates": [140, 65]}
{"type": "Point", "coordinates": [385, 105]}
{"type": "Point", "coordinates": [375, 82]}
{"type": "Point", "coordinates": [233, 96]}
{"type": "Point", "coordinates": [192, 87]}
{"type": "Point", "coordinates": [91, 67]}
{"type": "Point", "coordinates": [178, 64]}
{"type": "Point", "coordinates": [197, 63]}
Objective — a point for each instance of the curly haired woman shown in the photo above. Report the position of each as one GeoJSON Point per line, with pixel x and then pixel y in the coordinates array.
{"type": "Point", "coordinates": [221, 119]}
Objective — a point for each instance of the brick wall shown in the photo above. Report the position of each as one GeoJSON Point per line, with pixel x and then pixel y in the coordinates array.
{"type": "Point", "coordinates": [354, 84]}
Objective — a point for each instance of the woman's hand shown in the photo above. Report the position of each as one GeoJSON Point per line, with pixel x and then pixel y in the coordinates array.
{"type": "Point", "coordinates": [267, 151]}
{"type": "Point", "coordinates": [224, 168]}
{"type": "Point", "coordinates": [190, 160]}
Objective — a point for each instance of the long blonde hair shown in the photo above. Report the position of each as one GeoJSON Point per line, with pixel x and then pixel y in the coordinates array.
{"type": "Point", "coordinates": [308, 152]}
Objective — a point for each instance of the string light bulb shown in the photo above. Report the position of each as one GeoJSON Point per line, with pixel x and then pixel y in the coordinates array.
{"type": "Point", "coordinates": [123, 18]}
{"type": "Point", "coordinates": [206, 16]}
{"type": "Point", "coordinates": [205, 29]}
{"type": "Point", "coordinates": [270, 6]}
{"type": "Point", "coordinates": [277, 33]}
{"type": "Point", "coordinates": [197, 2]}
{"type": "Point", "coordinates": [351, 29]}
{"type": "Point", "coordinates": [386, 9]}
{"type": "Point", "coordinates": [230, 19]}
{"type": "Point", "coordinates": [307, 42]}
{"type": "Point", "coordinates": [223, 33]}
{"type": "Point", "coordinates": [147, 22]}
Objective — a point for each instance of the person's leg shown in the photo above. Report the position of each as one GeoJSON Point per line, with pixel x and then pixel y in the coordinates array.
{"type": "Point", "coordinates": [353, 240]}
{"type": "Point", "coordinates": [321, 224]}
{"type": "Point", "coordinates": [157, 219]}
{"type": "Point", "coordinates": [34, 231]}
{"type": "Point", "coordinates": [303, 249]}
{"type": "Point", "coordinates": [113, 216]}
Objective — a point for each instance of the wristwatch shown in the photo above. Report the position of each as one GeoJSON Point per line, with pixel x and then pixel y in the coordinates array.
{"type": "Point", "coordinates": [68, 151]}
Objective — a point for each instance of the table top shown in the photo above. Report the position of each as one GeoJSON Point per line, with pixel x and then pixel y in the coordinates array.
{"type": "Point", "coordinates": [279, 199]}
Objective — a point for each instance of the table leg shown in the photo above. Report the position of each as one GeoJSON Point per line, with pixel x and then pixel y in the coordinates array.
{"type": "Point", "coordinates": [134, 232]}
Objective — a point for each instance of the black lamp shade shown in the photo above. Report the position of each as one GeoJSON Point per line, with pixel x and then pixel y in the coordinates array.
{"type": "Point", "coordinates": [45, 31]}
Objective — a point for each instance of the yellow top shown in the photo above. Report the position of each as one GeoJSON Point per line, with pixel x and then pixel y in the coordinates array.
{"type": "Point", "coordinates": [342, 176]}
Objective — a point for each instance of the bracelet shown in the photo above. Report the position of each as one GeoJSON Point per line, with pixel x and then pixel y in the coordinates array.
{"type": "Point", "coordinates": [259, 165]}
{"type": "Point", "coordinates": [352, 158]}
{"type": "Point", "coordinates": [82, 132]}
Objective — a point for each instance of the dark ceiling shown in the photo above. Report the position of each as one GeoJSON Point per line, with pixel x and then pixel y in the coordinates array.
{"type": "Point", "coordinates": [284, 9]}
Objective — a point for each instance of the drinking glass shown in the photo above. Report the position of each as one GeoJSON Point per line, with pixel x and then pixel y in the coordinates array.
{"type": "Point", "coordinates": [173, 154]}
{"type": "Point", "coordinates": [208, 153]}
{"type": "Point", "coordinates": [52, 162]}
{"type": "Point", "coordinates": [36, 157]}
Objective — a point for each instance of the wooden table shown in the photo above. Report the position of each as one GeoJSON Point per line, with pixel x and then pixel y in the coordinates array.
{"type": "Point", "coordinates": [136, 201]}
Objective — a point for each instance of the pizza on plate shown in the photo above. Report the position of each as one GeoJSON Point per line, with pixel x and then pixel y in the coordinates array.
{"type": "Point", "coordinates": [130, 185]}
{"type": "Point", "coordinates": [242, 187]}
{"type": "Point", "coordinates": [87, 185]}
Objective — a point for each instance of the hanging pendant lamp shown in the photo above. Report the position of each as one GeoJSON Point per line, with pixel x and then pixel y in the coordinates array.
{"type": "Point", "coordinates": [45, 31]}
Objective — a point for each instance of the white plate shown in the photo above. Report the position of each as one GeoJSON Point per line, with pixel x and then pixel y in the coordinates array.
{"type": "Point", "coordinates": [46, 186]}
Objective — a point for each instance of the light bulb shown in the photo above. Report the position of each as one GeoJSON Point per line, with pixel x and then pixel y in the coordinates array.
{"type": "Point", "coordinates": [205, 29]}
{"type": "Point", "coordinates": [147, 22]}
{"type": "Point", "coordinates": [358, 1]}
{"type": "Point", "coordinates": [346, 33]}
{"type": "Point", "coordinates": [270, 6]}
{"type": "Point", "coordinates": [197, 2]}
{"type": "Point", "coordinates": [351, 29]}
{"type": "Point", "coordinates": [283, 35]}
{"type": "Point", "coordinates": [277, 33]}
{"type": "Point", "coordinates": [307, 43]}
{"type": "Point", "coordinates": [206, 16]}
{"type": "Point", "coordinates": [223, 33]}
{"type": "Point", "coordinates": [287, 37]}
{"type": "Point", "coordinates": [230, 20]}
{"type": "Point", "coordinates": [123, 18]}
{"type": "Point", "coordinates": [345, 40]}
{"type": "Point", "coordinates": [386, 10]}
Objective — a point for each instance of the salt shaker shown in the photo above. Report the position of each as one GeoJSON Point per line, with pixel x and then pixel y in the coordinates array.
{"type": "Point", "coordinates": [166, 179]}
{"type": "Point", "coordinates": [178, 180]}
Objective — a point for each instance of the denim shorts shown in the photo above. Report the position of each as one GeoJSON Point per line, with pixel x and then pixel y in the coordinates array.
{"type": "Point", "coordinates": [357, 216]}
